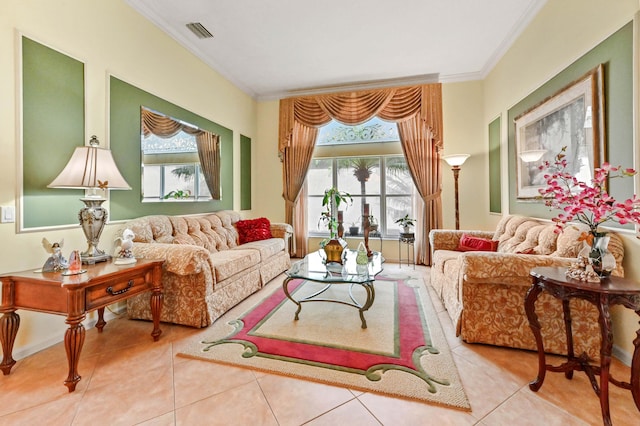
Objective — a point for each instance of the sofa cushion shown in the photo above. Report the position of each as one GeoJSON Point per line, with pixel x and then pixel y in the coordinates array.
{"type": "Point", "coordinates": [568, 243]}
{"type": "Point", "coordinates": [226, 229]}
{"type": "Point", "coordinates": [471, 243]}
{"type": "Point", "coordinates": [227, 263]}
{"type": "Point", "coordinates": [253, 230]}
{"type": "Point", "coordinates": [266, 248]}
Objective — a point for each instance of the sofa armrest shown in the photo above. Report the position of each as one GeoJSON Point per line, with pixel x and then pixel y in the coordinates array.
{"type": "Point", "coordinates": [180, 259]}
{"type": "Point", "coordinates": [448, 239]}
{"type": "Point", "coordinates": [284, 231]}
{"type": "Point", "coordinates": [505, 268]}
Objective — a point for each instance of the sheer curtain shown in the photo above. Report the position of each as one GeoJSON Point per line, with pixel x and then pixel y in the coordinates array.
{"type": "Point", "coordinates": [416, 109]}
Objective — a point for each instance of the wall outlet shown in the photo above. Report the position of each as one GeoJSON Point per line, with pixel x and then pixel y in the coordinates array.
{"type": "Point", "coordinates": [7, 214]}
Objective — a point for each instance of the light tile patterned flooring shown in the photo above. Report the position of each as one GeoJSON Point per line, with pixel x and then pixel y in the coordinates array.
{"type": "Point", "coordinates": [128, 379]}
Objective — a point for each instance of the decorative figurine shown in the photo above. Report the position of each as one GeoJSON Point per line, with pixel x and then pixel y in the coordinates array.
{"type": "Point", "coordinates": [124, 254]}
{"type": "Point", "coordinates": [56, 262]}
{"type": "Point", "coordinates": [75, 264]}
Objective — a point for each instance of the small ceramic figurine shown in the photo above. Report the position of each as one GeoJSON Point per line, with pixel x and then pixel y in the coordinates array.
{"type": "Point", "coordinates": [75, 264]}
{"type": "Point", "coordinates": [124, 255]}
{"type": "Point", "coordinates": [56, 262]}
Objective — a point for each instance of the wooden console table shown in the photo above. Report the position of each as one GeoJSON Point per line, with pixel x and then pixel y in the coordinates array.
{"type": "Point", "coordinates": [610, 291]}
{"type": "Point", "coordinates": [74, 296]}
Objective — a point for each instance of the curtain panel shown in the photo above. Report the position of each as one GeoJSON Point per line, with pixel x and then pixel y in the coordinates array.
{"type": "Point", "coordinates": [416, 109]}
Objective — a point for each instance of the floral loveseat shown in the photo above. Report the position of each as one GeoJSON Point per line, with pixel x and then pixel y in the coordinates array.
{"type": "Point", "coordinates": [484, 291]}
{"type": "Point", "coordinates": [206, 270]}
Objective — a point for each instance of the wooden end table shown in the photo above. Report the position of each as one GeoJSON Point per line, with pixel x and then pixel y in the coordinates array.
{"type": "Point", "coordinates": [610, 291]}
{"type": "Point", "coordinates": [75, 295]}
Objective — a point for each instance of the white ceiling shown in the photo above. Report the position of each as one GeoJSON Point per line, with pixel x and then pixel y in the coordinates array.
{"type": "Point", "coordinates": [278, 48]}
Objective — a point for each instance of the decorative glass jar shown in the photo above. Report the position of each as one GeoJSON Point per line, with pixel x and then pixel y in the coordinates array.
{"type": "Point", "coordinates": [600, 257]}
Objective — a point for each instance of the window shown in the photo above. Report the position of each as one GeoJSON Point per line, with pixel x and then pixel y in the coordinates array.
{"type": "Point", "coordinates": [383, 182]}
{"type": "Point", "coordinates": [367, 162]}
{"type": "Point", "coordinates": [171, 169]}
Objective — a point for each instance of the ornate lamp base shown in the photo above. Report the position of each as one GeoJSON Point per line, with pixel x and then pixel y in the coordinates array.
{"type": "Point", "coordinates": [92, 218]}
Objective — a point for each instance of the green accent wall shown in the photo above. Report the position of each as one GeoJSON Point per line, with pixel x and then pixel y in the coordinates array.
{"type": "Point", "coordinates": [125, 103]}
{"type": "Point", "coordinates": [53, 126]}
{"type": "Point", "coordinates": [616, 53]}
{"type": "Point", "coordinates": [495, 190]}
{"type": "Point", "coordinates": [245, 173]}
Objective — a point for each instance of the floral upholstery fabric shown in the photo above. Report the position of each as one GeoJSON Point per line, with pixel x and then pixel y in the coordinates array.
{"type": "Point", "coordinates": [484, 292]}
{"type": "Point", "coordinates": [205, 271]}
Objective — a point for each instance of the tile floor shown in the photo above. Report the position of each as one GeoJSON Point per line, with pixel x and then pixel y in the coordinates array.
{"type": "Point", "coordinates": [127, 379]}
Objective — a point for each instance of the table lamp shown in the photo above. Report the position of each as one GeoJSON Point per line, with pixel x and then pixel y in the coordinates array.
{"type": "Point", "coordinates": [455, 161]}
{"type": "Point", "coordinates": [92, 168]}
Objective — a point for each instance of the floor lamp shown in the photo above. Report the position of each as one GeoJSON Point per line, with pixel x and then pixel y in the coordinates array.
{"type": "Point", "coordinates": [455, 161]}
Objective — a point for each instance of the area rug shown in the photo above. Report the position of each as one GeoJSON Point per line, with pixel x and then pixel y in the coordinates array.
{"type": "Point", "coordinates": [402, 352]}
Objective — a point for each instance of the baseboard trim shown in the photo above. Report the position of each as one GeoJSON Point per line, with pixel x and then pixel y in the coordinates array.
{"type": "Point", "coordinates": [624, 357]}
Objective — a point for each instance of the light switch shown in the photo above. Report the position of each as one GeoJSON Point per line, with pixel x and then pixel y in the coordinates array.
{"type": "Point", "coordinates": [7, 214]}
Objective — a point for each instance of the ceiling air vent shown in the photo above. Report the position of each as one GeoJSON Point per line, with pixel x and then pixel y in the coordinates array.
{"type": "Point", "coordinates": [199, 30]}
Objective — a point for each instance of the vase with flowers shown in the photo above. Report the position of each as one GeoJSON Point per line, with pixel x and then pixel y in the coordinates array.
{"type": "Point", "coordinates": [590, 204]}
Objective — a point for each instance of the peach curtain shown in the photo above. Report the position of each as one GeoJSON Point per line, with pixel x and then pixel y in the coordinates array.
{"type": "Point", "coordinates": [416, 109]}
{"type": "Point", "coordinates": [209, 154]}
{"type": "Point", "coordinates": [158, 124]}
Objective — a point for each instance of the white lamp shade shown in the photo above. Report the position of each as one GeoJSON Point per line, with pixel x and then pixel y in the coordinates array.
{"type": "Point", "coordinates": [456, 160]}
{"type": "Point", "coordinates": [90, 167]}
{"type": "Point", "coordinates": [532, 155]}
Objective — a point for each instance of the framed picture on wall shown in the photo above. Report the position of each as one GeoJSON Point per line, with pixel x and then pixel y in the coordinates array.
{"type": "Point", "coordinates": [572, 117]}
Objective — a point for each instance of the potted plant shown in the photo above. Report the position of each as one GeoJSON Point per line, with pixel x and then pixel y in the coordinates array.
{"type": "Point", "coordinates": [178, 194]}
{"type": "Point", "coordinates": [331, 201]}
{"type": "Point", "coordinates": [406, 223]}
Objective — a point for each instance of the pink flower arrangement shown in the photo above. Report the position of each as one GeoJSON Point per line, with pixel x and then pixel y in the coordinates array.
{"type": "Point", "coordinates": [590, 204]}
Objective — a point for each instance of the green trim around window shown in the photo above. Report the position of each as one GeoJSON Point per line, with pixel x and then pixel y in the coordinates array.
{"type": "Point", "coordinates": [125, 103]}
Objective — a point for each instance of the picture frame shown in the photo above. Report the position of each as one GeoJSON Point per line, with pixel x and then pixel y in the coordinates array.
{"type": "Point", "coordinates": [571, 117]}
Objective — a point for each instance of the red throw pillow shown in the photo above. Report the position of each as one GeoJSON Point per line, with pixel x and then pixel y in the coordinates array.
{"type": "Point", "coordinates": [471, 243]}
{"type": "Point", "coordinates": [253, 230]}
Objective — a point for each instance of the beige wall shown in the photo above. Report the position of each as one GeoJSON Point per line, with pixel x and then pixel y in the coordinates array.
{"type": "Point", "coordinates": [110, 38]}
{"type": "Point", "coordinates": [464, 133]}
{"type": "Point", "coordinates": [267, 168]}
{"type": "Point", "coordinates": [562, 32]}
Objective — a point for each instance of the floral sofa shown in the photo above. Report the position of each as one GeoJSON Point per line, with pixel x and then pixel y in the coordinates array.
{"type": "Point", "coordinates": [484, 291]}
{"type": "Point", "coordinates": [206, 270]}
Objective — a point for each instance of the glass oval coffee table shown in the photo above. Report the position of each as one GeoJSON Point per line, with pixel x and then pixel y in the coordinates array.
{"type": "Point", "coordinates": [314, 268]}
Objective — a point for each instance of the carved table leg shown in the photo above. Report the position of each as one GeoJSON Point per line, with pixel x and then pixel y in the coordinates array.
{"type": "Point", "coordinates": [101, 322]}
{"type": "Point", "coordinates": [9, 324]}
{"type": "Point", "coordinates": [156, 301]}
{"type": "Point", "coordinates": [635, 369]}
{"type": "Point", "coordinates": [156, 308]}
{"type": "Point", "coordinates": [73, 341]}
{"type": "Point", "coordinates": [529, 306]}
{"type": "Point", "coordinates": [605, 356]}
{"type": "Point", "coordinates": [566, 310]}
